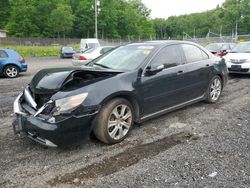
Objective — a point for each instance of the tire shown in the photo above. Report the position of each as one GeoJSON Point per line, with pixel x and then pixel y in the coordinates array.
{"type": "Point", "coordinates": [11, 71]}
{"type": "Point", "coordinates": [214, 90]}
{"type": "Point", "coordinates": [115, 120]}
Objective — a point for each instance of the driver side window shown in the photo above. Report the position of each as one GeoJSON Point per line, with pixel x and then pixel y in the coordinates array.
{"type": "Point", "coordinates": [169, 56]}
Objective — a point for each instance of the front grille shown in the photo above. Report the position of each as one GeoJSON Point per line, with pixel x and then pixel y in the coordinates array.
{"type": "Point", "coordinates": [238, 61]}
{"type": "Point", "coordinates": [240, 70]}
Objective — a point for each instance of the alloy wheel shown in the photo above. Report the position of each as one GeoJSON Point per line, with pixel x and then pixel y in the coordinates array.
{"type": "Point", "coordinates": [215, 89]}
{"type": "Point", "coordinates": [119, 122]}
{"type": "Point", "coordinates": [11, 72]}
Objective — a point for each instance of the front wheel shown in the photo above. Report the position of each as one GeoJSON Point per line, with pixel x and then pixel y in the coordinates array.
{"type": "Point", "coordinates": [214, 90]}
{"type": "Point", "coordinates": [114, 121]}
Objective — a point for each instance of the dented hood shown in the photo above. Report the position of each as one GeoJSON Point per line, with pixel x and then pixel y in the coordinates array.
{"type": "Point", "coordinates": [51, 80]}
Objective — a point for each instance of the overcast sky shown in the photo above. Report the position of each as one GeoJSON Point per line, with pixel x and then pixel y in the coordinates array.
{"type": "Point", "coordinates": [166, 8]}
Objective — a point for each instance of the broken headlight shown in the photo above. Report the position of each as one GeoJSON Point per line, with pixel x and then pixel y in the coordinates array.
{"type": "Point", "coordinates": [68, 104]}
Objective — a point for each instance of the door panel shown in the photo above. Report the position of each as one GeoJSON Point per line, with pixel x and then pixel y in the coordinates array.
{"type": "Point", "coordinates": [164, 89]}
{"type": "Point", "coordinates": [198, 67]}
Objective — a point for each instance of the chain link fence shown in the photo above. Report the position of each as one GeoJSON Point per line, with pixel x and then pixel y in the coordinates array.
{"type": "Point", "coordinates": [58, 41]}
{"type": "Point", "coordinates": [107, 42]}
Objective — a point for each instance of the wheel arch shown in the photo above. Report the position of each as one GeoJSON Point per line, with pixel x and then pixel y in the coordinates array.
{"type": "Point", "coordinates": [131, 98]}
{"type": "Point", "coordinates": [11, 64]}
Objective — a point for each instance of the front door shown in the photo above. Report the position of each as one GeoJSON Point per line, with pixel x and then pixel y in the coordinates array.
{"type": "Point", "coordinates": [164, 89]}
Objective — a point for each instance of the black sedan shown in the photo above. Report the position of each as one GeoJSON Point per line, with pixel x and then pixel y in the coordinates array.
{"type": "Point", "coordinates": [132, 83]}
{"type": "Point", "coordinates": [67, 52]}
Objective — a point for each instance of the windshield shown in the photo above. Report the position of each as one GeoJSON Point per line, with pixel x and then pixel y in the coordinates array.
{"type": "Point", "coordinates": [67, 49]}
{"type": "Point", "coordinates": [241, 48]}
{"type": "Point", "coordinates": [214, 47]}
{"type": "Point", "coordinates": [123, 58]}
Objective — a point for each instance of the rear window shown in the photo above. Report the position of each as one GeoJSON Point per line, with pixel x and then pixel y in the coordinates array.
{"type": "Point", "coordinates": [3, 54]}
{"type": "Point", "coordinates": [193, 53]}
{"type": "Point", "coordinates": [92, 45]}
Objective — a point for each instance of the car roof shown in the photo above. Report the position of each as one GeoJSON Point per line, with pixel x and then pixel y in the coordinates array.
{"type": "Point", "coordinates": [9, 50]}
{"type": "Point", "coordinates": [162, 42]}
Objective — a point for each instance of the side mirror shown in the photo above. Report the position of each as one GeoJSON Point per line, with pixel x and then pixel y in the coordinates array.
{"type": "Point", "coordinates": [102, 51]}
{"type": "Point", "coordinates": [154, 70]}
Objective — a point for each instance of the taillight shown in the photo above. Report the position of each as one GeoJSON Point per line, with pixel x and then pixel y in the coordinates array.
{"type": "Point", "coordinates": [21, 59]}
{"type": "Point", "coordinates": [82, 57]}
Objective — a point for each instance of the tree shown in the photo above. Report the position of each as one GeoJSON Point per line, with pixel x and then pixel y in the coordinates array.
{"type": "Point", "coordinates": [4, 12]}
{"type": "Point", "coordinates": [21, 19]}
{"type": "Point", "coordinates": [84, 19]}
{"type": "Point", "coordinates": [61, 20]}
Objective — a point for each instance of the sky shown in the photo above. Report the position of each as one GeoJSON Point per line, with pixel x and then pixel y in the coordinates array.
{"type": "Point", "coordinates": [166, 8]}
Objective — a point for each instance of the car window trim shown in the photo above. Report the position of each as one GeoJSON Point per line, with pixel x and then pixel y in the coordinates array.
{"type": "Point", "coordinates": [157, 52]}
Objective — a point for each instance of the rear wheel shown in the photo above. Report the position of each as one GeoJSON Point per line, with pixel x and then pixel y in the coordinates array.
{"type": "Point", "coordinates": [114, 121]}
{"type": "Point", "coordinates": [214, 90]}
{"type": "Point", "coordinates": [11, 71]}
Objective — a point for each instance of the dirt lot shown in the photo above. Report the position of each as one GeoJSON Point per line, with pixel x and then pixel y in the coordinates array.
{"type": "Point", "coordinates": [202, 145]}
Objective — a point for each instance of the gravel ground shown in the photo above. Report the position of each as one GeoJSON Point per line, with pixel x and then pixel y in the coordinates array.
{"type": "Point", "coordinates": [202, 145]}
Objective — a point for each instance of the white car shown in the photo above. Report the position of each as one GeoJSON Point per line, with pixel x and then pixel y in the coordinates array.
{"type": "Point", "coordinates": [83, 58]}
{"type": "Point", "coordinates": [238, 60]}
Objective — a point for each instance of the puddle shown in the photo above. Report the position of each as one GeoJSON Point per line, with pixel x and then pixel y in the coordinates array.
{"type": "Point", "coordinates": [122, 160]}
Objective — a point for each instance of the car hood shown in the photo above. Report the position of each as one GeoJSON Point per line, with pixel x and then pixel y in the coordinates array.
{"type": "Point", "coordinates": [237, 56]}
{"type": "Point", "coordinates": [49, 81]}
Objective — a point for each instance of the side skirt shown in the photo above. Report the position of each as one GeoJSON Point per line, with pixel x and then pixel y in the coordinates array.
{"type": "Point", "coordinates": [178, 106]}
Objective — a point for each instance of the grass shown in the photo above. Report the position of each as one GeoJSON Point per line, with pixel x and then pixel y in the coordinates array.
{"type": "Point", "coordinates": [35, 51]}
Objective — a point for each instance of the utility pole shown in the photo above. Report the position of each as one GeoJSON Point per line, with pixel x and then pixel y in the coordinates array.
{"type": "Point", "coordinates": [236, 31]}
{"type": "Point", "coordinates": [97, 4]}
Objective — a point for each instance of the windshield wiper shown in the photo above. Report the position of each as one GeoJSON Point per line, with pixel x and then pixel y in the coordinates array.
{"type": "Point", "coordinates": [103, 66]}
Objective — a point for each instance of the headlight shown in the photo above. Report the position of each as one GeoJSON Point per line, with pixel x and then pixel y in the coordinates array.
{"type": "Point", "coordinates": [68, 104]}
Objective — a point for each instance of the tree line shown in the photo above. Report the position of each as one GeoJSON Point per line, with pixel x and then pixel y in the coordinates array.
{"type": "Point", "coordinates": [233, 16]}
{"type": "Point", "coordinates": [125, 19]}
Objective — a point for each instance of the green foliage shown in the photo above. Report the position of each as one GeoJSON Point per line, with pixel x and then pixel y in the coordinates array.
{"type": "Point", "coordinates": [4, 12]}
{"type": "Point", "coordinates": [220, 19]}
{"type": "Point", "coordinates": [61, 19]}
{"type": "Point", "coordinates": [126, 19]}
{"type": "Point", "coordinates": [75, 18]}
{"type": "Point", "coordinates": [37, 51]}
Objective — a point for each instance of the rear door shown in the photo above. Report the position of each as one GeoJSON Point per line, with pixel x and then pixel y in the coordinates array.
{"type": "Point", "coordinates": [198, 67]}
{"type": "Point", "coordinates": [164, 89]}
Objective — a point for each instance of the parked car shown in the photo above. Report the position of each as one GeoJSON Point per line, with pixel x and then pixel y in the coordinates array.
{"type": "Point", "coordinates": [80, 59]}
{"type": "Point", "coordinates": [238, 60]}
{"type": "Point", "coordinates": [67, 52]}
{"type": "Point", "coordinates": [131, 83]}
{"type": "Point", "coordinates": [11, 63]}
{"type": "Point", "coordinates": [89, 43]}
{"type": "Point", "coordinates": [220, 49]}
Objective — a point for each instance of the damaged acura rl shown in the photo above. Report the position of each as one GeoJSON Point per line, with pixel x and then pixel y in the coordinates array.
{"type": "Point", "coordinates": [127, 85]}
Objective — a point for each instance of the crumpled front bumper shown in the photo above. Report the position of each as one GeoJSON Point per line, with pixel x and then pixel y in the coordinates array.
{"type": "Point", "coordinates": [48, 132]}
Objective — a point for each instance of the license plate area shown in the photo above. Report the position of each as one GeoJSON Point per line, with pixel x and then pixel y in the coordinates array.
{"type": "Point", "coordinates": [17, 125]}
{"type": "Point", "coordinates": [236, 67]}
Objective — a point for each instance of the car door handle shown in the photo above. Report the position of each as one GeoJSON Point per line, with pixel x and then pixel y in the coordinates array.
{"type": "Point", "coordinates": [180, 72]}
